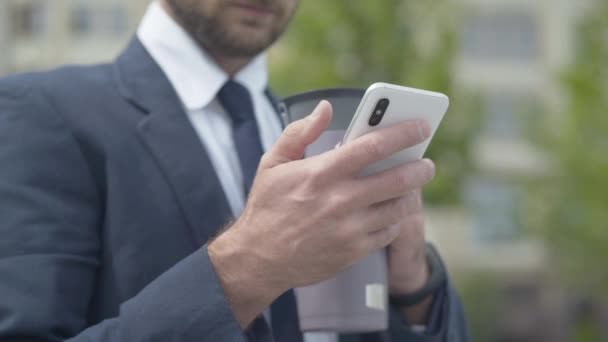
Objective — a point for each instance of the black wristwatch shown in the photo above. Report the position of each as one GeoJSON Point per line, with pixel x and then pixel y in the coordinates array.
{"type": "Point", "coordinates": [436, 280]}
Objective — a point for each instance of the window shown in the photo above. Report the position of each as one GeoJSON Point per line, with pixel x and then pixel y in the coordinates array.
{"type": "Point", "coordinates": [506, 114]}
{"type": "Point", "coordinates": [495, 212]}
{"type": "Point", "coordinates": [118, 19]}
{"type": "Point", "coordinates": [501, 37]}
{"type": "Point", "coordinates": [81, 20]}
{"type": "Point", "coordinates": [94, 19]}
{"type": "Point", "coordinates": [28, 19]}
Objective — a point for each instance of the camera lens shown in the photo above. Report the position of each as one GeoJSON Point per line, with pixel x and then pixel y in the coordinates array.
{"type": "Point", "coordinates": [379, 112]}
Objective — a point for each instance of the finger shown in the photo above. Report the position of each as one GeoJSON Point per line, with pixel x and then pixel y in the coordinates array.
{"type": "Point", "coordinates": [297, 136]}
{"type": "Point", "coordinates": [381, 238]}
{"type": "Point", "coordinates": [377, 145]}
{"type": "Point", "coordinates": [390, 212]}
{"type": "Point", "coordinates": [392, 183]}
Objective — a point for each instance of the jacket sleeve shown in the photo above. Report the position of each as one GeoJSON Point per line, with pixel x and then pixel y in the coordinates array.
{"type": "Point", "coordinates": [50, 214]}
{"type": "Point", "coordinates": [447, 322]}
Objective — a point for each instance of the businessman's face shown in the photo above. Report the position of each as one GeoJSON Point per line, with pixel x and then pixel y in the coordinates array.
{"type": "Point", "coordinates": [235, 28]}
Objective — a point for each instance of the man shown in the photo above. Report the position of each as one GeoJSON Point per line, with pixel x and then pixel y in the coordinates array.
{"type": "Point", "coordinates": [116, 181]}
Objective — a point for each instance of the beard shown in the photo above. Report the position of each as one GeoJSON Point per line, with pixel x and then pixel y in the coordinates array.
{"type": "Point", "coordinates": [225, 33]}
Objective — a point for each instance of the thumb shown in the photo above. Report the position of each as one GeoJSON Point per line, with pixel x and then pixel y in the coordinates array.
{"type": "Point", "coordinates": [297, 136]}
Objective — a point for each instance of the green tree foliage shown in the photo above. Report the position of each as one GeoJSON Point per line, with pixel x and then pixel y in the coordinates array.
{"type": "Point", "coordinates": [571, 207]}
{"type": "Point", "coordinates": [355, 43]}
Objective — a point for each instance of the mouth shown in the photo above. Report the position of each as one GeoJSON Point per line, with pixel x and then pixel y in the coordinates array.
{"type": "Point", "coordinates": [254, 10]}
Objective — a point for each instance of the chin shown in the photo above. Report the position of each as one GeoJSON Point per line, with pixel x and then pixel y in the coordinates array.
{"type": "Point", "coordinates": [252, 41]}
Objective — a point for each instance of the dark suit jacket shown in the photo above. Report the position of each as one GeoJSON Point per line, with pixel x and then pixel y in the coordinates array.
{"type": "Point", "coordinates": [107, 198]}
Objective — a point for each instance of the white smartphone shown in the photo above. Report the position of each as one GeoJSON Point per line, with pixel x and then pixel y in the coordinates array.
{"type": "Point", "coordinates": [386, 104]}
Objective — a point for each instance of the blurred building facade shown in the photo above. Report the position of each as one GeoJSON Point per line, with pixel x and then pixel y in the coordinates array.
{"type": "Point", "coordinates": [511, 54]}
{"type": "Point", "coordinates": [37, 34]}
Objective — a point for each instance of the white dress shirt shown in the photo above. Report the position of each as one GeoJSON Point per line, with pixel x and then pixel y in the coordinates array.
{"type": "Point", "coordinates": [197, 79]}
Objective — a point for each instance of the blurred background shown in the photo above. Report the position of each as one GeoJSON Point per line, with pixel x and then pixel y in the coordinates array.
{"type": "Point", "coordinates": [520, 204]}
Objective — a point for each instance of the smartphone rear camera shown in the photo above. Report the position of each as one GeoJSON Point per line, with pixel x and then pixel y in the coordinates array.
{"type": "Point", "coordinates": [378, 112]}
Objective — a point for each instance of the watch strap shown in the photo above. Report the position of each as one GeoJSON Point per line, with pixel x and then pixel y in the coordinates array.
{"type": "Point", "coordinates": [437, 279]}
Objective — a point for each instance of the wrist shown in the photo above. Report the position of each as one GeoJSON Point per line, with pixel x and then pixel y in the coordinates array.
{"type": "Point", "coordinates": [246, 280]}
{"type": "Point", "coordinates": [409, 279]}
{"type": "Point", "coordinates": [437, 278]}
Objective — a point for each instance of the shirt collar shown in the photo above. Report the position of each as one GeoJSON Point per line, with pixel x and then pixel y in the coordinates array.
{"type": "Point", "coordinates": [193, 73]}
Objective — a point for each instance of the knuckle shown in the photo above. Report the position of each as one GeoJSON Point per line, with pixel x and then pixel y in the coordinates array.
{"type": "Point", "coordinates": [426, 171]}
{"type": "Point", "coordinates": [316, 170]}
{"type": "Point", "coordinates": [415, 200]}
{"type": "Point", "coordinates": [397, 211]}
{"type": "Point", "coordinates": [360, 246]}
{"type": "Point", "coordinates": [417, 174]}
{"type": "Point", "coordinates": [402, 181]}
{"type": "Point", "coordinates": [394, 232]}
{"type": "Point", "coordinates": [292, 129]}
{"type": "Point", "coordinates": [372, 145]}
{"type": "Point", "coordinates": [352, 236]}
{"type": "Point", "coordinates": [341, 234]}
{"type": "Point", "coordinates": [266, 158]}
{"type": "Point", "coordinates": [345, 242]}
{"type": "Point", "coordinates": [404, 205]}
{"type": "Point", "coordinates": [346, 161]}
{"type": "Point", "coordinates": [383, 238]}
{"type": "Point", "coordinates": [409, 200]}
{"type": "Point", "coordinates": [412, 133]}
{"type": "Point", "coordinates": [315, 175]}
{"type": "Point", "coordinates": [417, 220]}
{"type": "Point", "coordinates": [339, 201]}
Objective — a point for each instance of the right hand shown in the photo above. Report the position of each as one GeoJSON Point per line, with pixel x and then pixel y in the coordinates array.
{"type": "Point", "coordinates": [308, 219]}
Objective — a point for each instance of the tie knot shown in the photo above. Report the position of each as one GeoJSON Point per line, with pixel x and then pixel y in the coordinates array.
{"type": "Point", "coordinates": [236, 101]}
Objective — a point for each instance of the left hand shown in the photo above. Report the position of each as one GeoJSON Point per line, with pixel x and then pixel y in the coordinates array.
{"type": "Point", "coordinates": [408, 269]}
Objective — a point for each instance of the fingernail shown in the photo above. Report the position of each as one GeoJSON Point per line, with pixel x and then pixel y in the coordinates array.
{"type": "Point", "coordinates": [424, 129]}
{"type": "Point", "coordinates": [317, 112]}
{"type": "Point", "coordinates": [431, 165]}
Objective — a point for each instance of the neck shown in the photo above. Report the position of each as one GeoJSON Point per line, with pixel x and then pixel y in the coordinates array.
{"type": "Point", "coordinates": [231, 65]}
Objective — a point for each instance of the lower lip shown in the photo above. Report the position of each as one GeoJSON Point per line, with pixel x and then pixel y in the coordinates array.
{"type": "Point", "coordinates": [253, 10]}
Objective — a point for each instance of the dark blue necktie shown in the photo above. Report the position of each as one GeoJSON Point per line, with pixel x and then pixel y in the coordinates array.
{"type": "Point", "coordinates": [236, 100]}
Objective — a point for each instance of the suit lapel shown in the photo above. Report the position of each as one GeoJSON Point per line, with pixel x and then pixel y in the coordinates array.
{"type": "Point", "coordinates": [170, 137]}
